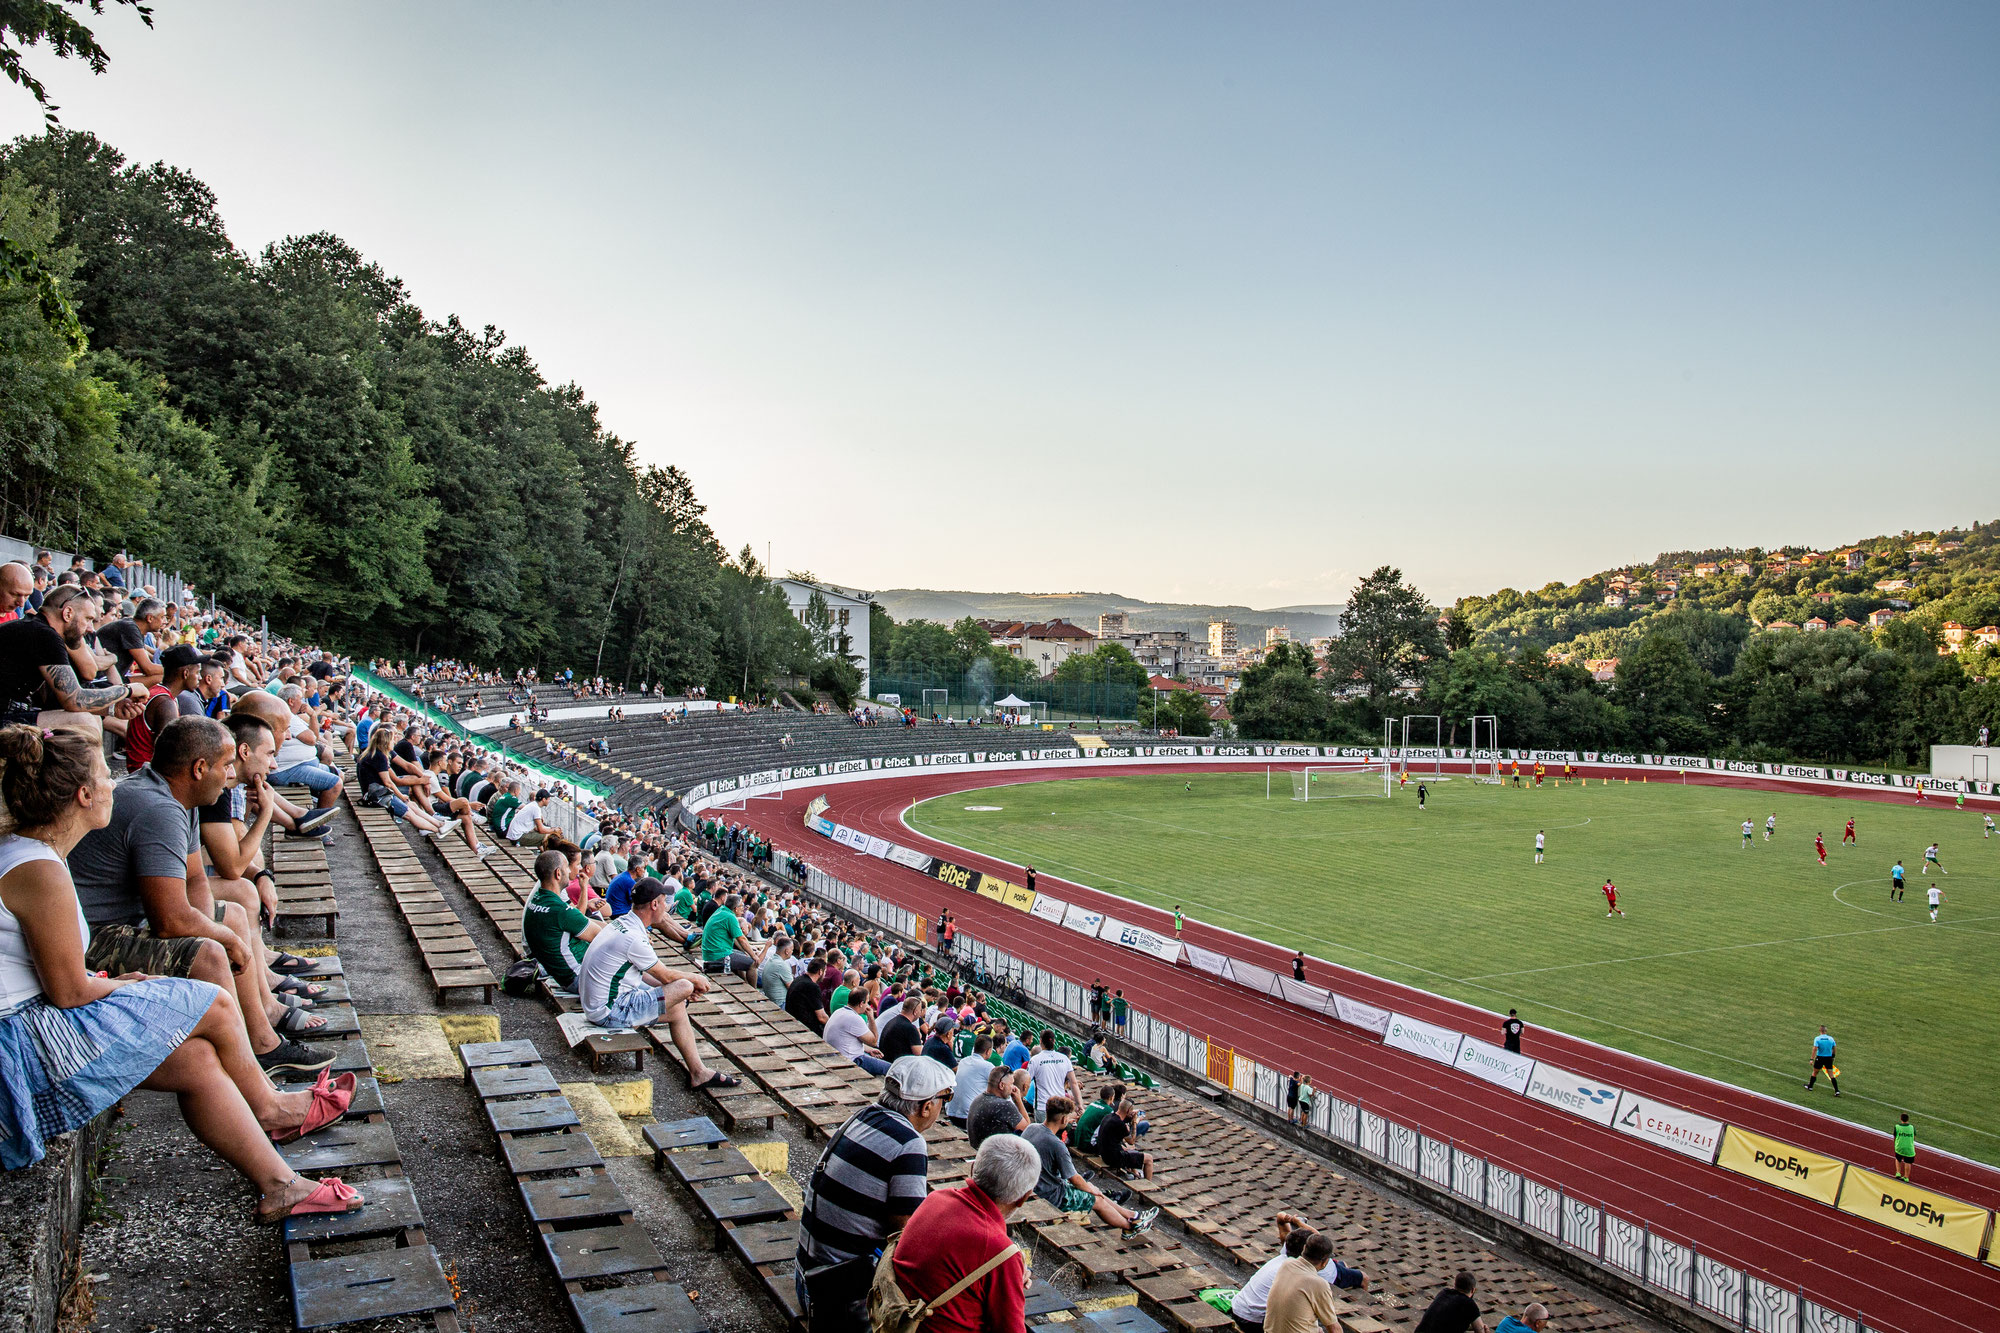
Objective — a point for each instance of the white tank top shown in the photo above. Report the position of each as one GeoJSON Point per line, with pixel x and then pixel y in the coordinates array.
{"type": "Point", "coordinates": [19, 981]}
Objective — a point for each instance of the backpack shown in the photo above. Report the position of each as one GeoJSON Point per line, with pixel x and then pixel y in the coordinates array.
{"type": "Point", "coordinates": [890, 1310]}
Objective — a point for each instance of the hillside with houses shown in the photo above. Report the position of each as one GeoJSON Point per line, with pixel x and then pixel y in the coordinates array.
{"type": "Point", "coordinates": [1947, 583]}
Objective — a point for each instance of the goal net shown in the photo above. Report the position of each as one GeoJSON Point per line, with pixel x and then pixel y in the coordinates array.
{"type": "Point", "coordinates": [1331, 782]}
{"type": "Point", "coordinates": [937, 703]}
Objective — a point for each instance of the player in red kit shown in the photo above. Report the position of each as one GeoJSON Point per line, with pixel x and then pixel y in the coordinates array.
{"type": "Point", "coordinates": [1611, 898]}
{"type": "Point", "coordinates": [1819, 845]}
{"type": "Point", "coordinates": [1848, 836]}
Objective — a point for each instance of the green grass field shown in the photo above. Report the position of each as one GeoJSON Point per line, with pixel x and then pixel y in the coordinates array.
{"type": "Point", "coordinates": [1727, 960]}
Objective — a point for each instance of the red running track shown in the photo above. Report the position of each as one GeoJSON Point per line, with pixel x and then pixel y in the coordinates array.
{"type": "Point", "coordinates": [1895, 1283]}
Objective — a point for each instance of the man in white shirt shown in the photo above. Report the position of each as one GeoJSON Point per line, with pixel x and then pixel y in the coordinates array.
{"type": "Point", "coordinates": [526, 827]}
{"type": "Point", "coordinates": [299, 759]}
{"type": "Point", "coordinates": [1053, 1074]}
{"type": "Point", "coordinates": [1253, 1299]}
{"type": "Point", "coordinates": [623, 983]}
{"type": "Point", "coordinates": [852, 1033]}
{"type": "Point", "coordinates": [604, 867]}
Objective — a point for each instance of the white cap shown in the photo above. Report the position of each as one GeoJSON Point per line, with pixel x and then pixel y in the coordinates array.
{"type": "Point", "coordinates": [918, 1078]}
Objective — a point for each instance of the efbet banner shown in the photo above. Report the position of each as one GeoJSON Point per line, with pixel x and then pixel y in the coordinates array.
{"type": "Point", "coordinates": [958, 877]}
{"type": "Point", "coordinates": [1914, 1212]}
{"type": "Point", "coordinates": [1794, 1169]}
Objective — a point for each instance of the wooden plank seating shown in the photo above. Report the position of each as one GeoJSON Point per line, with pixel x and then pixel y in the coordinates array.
{"type": "Point", "coordinates": [302, 878]}
{"type": "Point", "coordinates": [610, 1270]}
{"type": "Point", "coordinates": [751, 1219]}
{"type": "Point", "coordinates": [449, 954]}
{"type": "Point", "coordinates": [377, 1262]}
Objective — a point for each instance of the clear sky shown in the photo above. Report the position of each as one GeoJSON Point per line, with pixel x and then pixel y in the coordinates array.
{"type": "Point", "coordinates": [1184, 301]}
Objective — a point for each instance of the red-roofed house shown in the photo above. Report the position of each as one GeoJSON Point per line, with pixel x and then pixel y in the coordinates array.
{"type": "Point", "coordinates": [1814, 624]}
{"type": "Point", "coordinates": [1046, 644]}
{"type": "Point", "coordinates": [1877, 619]}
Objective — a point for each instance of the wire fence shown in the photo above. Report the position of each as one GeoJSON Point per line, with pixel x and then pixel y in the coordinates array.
{"type": "Point", "coordinates": [975, 694]}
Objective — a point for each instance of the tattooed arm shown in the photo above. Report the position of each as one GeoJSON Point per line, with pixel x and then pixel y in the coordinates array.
{"type": "Point", "coordinates": [75, 699]}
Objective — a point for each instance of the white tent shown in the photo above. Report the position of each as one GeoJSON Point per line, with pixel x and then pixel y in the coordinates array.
{"type": "Point", "coordinates": [1011, 701]}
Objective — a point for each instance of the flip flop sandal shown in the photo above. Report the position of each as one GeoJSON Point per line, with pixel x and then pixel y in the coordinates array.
{"type": "Point", "coordinates": [296, 1023]}
{"type": "Point", "coordinates": [328, 1105]}
{"type": "Point", "coordinates": [292, 1001]}
{"type": "Point", "coordinates": [716, 1079]}
{"type": "Point", "coordinates": [290, 964]}
{"type": "Point", "coordinates": [305, 990]}
{"type": "Point", "coordinates": [332, 1195]}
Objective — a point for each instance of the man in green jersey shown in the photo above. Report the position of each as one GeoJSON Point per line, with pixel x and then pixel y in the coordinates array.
{"type": "Point", "coordinates": [718, 942]}
{"type": "Point", "coordinates": [554, 932]}
{"type": "Point", "coordinates": [1906, 1147]}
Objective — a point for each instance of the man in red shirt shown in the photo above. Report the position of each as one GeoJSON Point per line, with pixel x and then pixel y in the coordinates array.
{"type": "Point", "coordinates": [956, 1232]}
{"type": "Point", "coordinates": [1611, 898]}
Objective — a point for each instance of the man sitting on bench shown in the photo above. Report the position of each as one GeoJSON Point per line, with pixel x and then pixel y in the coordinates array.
{"type": "Point", "coordinates": [623, 983]}
{"type": "Point", "coordinates": [555, 933]}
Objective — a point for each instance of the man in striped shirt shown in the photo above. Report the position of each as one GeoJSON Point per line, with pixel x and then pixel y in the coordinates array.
{"type": "Point", "coordinates": [869, 1180]}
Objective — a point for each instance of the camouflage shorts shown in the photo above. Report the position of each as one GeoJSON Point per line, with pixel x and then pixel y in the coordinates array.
{"type": "Point", "coordinates": [121, 949]}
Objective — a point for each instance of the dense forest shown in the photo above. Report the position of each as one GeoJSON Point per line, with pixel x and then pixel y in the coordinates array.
{"type": "Point", "coordinates": [291, 433]}
{"type": "Point", "coordinates": [1766, 656]}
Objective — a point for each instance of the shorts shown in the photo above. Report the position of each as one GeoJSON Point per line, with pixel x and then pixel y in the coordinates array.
{"type": "Point", "coordinates": [121, 949]}
{"type": "Point", "coordinates": [1906, 1157]}
{"type": "Point", "coordinates": [311, 774]}
{"type": "Point", "coordinates": [1075, 1200]}
{"type": "Point", "coordinates": [634, 1008]}
{"type": "Point", "coordinates": [1822, 1062]}
{"type": "Point", "coordinates": [441, 807]}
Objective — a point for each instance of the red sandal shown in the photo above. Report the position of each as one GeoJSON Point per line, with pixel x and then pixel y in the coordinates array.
{"type": "Point", "coordinates": [330, 1101]}
{"type": "Point", "coordinates": [330, 1196]}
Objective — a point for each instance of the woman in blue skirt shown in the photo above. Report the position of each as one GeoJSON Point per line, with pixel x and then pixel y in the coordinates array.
{"type": "Point", "coordinates": [72, 1044]}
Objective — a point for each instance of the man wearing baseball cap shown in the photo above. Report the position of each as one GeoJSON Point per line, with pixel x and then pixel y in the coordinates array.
{"type": "Point", "coordinates": [869, 1180]}
{"type": "Point", "coordinates": [623, 983]}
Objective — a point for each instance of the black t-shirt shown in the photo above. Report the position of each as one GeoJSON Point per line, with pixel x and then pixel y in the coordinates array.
{"type": "Point", "coordinates": [1512, 1030]}
{"type": "Point", "coordinates": [219, 811]}
{"type": "Point", "coordinates": [26, 646]}
{"type": "Point", "coordinates": [803, 1001]}
{"type": "Point", "coordinates": [1452, 1312]}
{"type": "Point", "coordinates": [120, 638]}
{"type": "Point", "coordinates": [941, 1052]}
{"type": "Point", "coordinates": [408, 752]}
{"type": "Point", "coordinates": [1111, 1134]}
{"type": "Point", "coordinates": [900, 1037]}
{"type": "Point", "coordinates": [373, 769]}
{"type": "Point", "coordinates": [319, 671]}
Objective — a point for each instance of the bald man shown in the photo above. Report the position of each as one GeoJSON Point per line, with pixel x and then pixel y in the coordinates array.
{"type": "Point", "coordinates": [16, 586]}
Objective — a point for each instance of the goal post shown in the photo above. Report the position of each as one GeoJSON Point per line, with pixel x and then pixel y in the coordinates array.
{"type": "Point", "coordinates": [1331, 782]}
{"type": "Point", "coordinates": [937, 703]}
{"type": "Point", "coordinates": [1431, 769]}
{"type": "Point", "coordinates": [1486, 748]}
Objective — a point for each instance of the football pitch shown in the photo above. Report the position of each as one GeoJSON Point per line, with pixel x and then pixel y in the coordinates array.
{"type": "Point", "coordinates": [1728, 960]}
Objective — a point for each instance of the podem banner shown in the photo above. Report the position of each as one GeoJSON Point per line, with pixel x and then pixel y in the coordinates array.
{"type": "Point", "coordinates": [1573, 1093]}
{"type": "Point", "coordinates": [1083, 921]}
{"type": "Point", "coordinates": [1797, 1170]}
{"type": "Point", "coordinates": [1495, 1064]}
{"type": "Point", "coordinates": [1128, 936]}
{"type": "Point", "coordinates": [1897, 1203]}
{"type": "Point", "coordinates": [1048, 909]}
{"type": "Point", "coordinates": [1686, 1133]}
{"type": "Point", "coordinates": [1017, 896]}
{"type": "Point", "coordinates": [1421, 1038]}
{"type": "Point", "coordinates": [989, 887]}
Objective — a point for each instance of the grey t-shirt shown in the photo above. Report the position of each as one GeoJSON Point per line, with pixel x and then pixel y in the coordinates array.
{"type": "Point", "coordinates": [150, 835]}
{"type": "Point", "coordinates": [191, 704]}
{"type": "Point", "coordinates": [1057, 1167]}
{"type": "Point", "coordinates": [990, 1115]}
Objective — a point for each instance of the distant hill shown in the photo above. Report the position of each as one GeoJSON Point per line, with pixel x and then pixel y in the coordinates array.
{"type": "Point", "coordinates": [1083, 608]}
{"type": "Point", "coordinates": [1952, 574]}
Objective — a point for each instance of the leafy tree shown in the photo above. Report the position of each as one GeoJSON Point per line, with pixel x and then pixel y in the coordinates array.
{"type": "Point", "coordinates": [1184, 711]}
{"type": "Point", "coordinates": [32, 22]}
{"type": "Point", "coordinates": [757, 634]}
{"type": "Point", "coordinates": [1665, 694]}
{"type": "Point", "coordinates": [1281, 697]}
{"type": "Point", "coordinates": [1387, 632]}
{"type": "Point", "coordinates": [1107, 664]}
{"type": "Point", "coordinates": [881, 634]}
